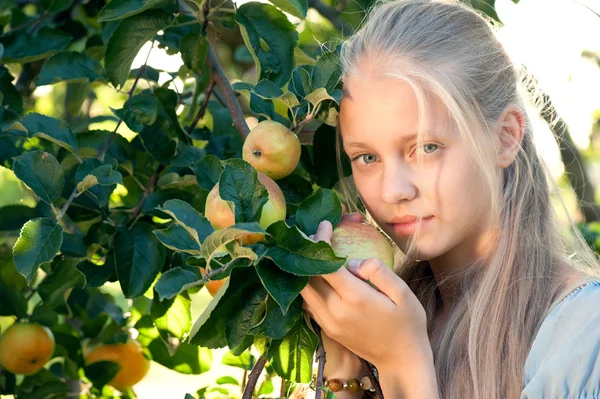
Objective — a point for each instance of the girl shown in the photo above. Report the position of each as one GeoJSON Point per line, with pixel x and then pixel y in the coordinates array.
{"type": "Point", "coordinates": [491, 297]}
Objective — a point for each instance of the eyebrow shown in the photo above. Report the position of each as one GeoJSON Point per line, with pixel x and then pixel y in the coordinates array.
{"type": "Point", "coordinates": [361, 145]}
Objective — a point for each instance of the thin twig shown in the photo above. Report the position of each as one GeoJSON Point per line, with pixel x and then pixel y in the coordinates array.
{"type": "Point", "coordinates": [202, 109]}
{"type": "Point", "coordinates": [228, 93]}
{"type": "Point", "coordinates": [63, 210]}
{"type": "Point", "coordinates": [321, 359]}
{"type": "Point", "coordinates": [205, 12]}
{"type": "Point", "coordinates": [147, 191]}
{"type": "Point", "coordinates": [206, 277]}
{"type": "Point", "coordinates": [253, 377]}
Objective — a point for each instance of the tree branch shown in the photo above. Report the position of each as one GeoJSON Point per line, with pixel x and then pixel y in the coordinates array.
{"type": "Point", "coordinates": [333, 15]}
{"type": "Point", "coordinates": [372, 377]}
{"type": "Point", "coordinates": [321, 359]}
{"type": "Point", "coordinates": [149, 188]}
{"type": "Point", "coordinates": [253, 378]}
{"type": "Point", "coordinates": [218, 75]}
{"type": "Point", "coordinates": [202, 109]}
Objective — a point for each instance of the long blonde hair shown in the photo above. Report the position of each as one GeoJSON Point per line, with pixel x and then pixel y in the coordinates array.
{"type": "Point", "coordinates": [449, 52]}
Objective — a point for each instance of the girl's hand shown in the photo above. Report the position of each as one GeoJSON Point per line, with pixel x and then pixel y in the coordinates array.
{"type": "Point", "coordinates": [388, 328]}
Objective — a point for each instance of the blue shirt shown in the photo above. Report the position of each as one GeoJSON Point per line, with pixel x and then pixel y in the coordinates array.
{"type": "Point", "coordinates": [564, 360]}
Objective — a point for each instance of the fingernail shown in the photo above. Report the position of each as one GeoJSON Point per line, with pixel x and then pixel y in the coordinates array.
{"type": "Point", "coordinates": [353, 264]}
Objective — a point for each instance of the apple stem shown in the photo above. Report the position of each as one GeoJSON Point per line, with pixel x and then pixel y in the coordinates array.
{"type": "Point", "coordinates": [253, 377]}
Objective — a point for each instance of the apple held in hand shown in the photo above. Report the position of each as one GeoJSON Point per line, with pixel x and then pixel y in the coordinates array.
{"type": "Point", "coordinates": [272, 149]}
{"type": "Point", "coordinates": [25, 348]}
{"type": "Point", "coordinates": [357, 240]}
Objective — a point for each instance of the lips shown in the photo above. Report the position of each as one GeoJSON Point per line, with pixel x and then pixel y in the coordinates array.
{"type": "Point", "coordinates": [407, 225]}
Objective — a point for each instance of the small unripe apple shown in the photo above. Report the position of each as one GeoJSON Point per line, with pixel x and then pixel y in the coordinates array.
{"type": "Point", "coordinates": [272, 149]}
{"type": "Point", "coordinates": [357, 240]}
{"type": "Point", "coordinates": [25, 348]}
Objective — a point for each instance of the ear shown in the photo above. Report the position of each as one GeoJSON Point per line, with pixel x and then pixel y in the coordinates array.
{"type": "Point", "coordinates": [511, 129]}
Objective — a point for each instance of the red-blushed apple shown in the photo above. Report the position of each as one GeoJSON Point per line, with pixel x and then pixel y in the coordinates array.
{"type": "Point", "coordinates": [220, 215]}
{"type": "Point", "coordinates": [358, 240]}
{"type": "Point", "coordinates": [272, 149]}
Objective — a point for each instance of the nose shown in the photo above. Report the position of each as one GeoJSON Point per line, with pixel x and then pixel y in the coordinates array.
{"type": "Point", "coordinates": [397, 184]}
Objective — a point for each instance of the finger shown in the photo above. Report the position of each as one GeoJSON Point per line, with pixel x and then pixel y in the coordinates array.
{"type": "Point", "coordinates": [344, 283]}
{"type": "Point", "coordinates": [344, 209]}
{"type": "Point", "coordinates": [328, 295]}
{"type": "Point", "coordinates": [314, 305]}
{"type": "Point", "coordinates": [324, 232]}
{"type": "Point", "coordinates": [375, 271]}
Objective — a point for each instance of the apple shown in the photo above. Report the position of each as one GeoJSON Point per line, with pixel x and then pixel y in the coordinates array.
{"type": "Point", "coordinates": [220, 215]}
{"type": "Point", "coordinates": [358, 240]}
{"type": "Point", "coordinates": [25, 348]}
{"type": "Point", "coordinates": [129, 356]}
{"type": "Point", "coordinates": [272, 149]}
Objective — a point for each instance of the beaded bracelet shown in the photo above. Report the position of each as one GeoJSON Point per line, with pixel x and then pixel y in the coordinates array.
{"type": "Point", "coordinates": [352, 385]}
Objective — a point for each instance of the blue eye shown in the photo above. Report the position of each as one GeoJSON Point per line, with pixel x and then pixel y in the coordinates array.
{"type": "Point", "coordinates": [429, 145]}
{"type": "Point", "coordinates": [368, 158]}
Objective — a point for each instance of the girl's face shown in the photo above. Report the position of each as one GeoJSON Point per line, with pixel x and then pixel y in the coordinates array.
{"type": "Point", "coordinates": [378, 120]}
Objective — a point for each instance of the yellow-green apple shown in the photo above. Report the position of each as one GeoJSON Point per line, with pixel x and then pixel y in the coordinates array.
{"type": "Point", "coordinates": [272, 149]}
{"type": "Point", "coordinates": [358, 240]}
{"type": "Point", "coordinates": [25, 348]}
{"type": "Point", "coordinates": [220, 215]}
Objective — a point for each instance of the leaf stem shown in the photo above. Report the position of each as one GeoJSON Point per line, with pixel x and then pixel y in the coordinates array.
{"type": "Point", "coordinates": [149, 188]}
{"type": "Point", "coordinates": [206, 277]}
{"type": "Point", "coordinates": [63, 210]}
{"type": "Point", "coordinates": [253, 377]}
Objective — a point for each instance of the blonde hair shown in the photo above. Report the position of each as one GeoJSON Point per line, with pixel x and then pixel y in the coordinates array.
{"type": "Point", "coordinates": [448, 52]}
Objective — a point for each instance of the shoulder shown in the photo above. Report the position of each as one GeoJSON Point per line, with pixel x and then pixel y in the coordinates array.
{"type": "Point", "coordinates": [564, 360]}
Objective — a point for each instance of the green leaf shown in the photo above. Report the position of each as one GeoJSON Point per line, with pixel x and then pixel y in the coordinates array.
{"type": "Point", "coordinates": [179, 238]}
{"type": "Point", "coordinates": [277, 324]}
{"type": "Point", "coordinates": [103, 175]}
{"type": "Point", "coordinates": [12, 301]}
{"type": "Point", "coordinates": [138, 258]}
{"type": "Point", "coordinates": [127, 40]}
{"type": "Point", "coordinates": [263, 22]}
{"type": "Point", "coordinates": [55, 5]}
{"type": "Point", "coordinates": [177, 320]}
{"type": "Point", "coordinates": [187, 359]}
{"type": "Point", "coordinates": [100, 373]}
{"type": "Point", "coordinates": [324, 204]}
{"type": "Point", "coordinates": [187, 155]}
{"type": "Point", "coordinates": [282, 286]}
{"type": "Point", "coordinates": [227, 380]}
{"type": "Point", "coordinates": [22, 48]}
{"type": "Point", "coordinates": [295, 253]}
{"type": "Point", "coordinates": [239, 185]}
{"type": "Point", "coordinates": [194, 48]}
{"type": "Point", "coordinates": [138, 111]}
{"type": "Point", "coordinates": [298, 8]}
{"type": "Point", "coordinates": [185, 214]}
{"type": "Point", "coordinates": [207, 171]}
{"type": "Point", "coordinates": [119, 9]}
{"type": "Point", "coordinates": [42, 173]}
{"type": "Point", "coordinates": [69, 66]}
{"type": "Point", "coordinates": [292, 356]}
{"type": "Point", "coordinates": [244, 361]}
{"type": "Point", "coordinates": [56, 286]}
{"type": "Point", "coordinates": [175, 281]}
{"type": "Point", "coordinates": [230, 315]}
{"type": "Point", "coordinates": [97, 275]}
{"type": "Point", "coordinates": [55, 130]}
{"type": "Point", "coordinates": [39, 242]}
{"type": "Point", "coordinates": [214, 243]}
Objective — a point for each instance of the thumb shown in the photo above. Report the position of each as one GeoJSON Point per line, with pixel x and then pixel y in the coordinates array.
{"type": "Point", "coordinates": [379, 275]}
